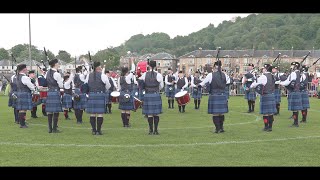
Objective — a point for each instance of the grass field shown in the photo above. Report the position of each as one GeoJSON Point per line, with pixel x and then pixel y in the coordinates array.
{"type": "Point", "coordinates": [185, 139]}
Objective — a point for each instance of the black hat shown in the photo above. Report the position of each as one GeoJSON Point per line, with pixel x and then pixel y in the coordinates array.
{"type": "Point", "coordinates": [53, 62]}
{"type": "Point", "coordinates": [65, 77]}
{"type": "Point", "coordinates": [106, 71]}
{"type": "Point", "coordinates": [20, 67]}
{"type": "Point", "coordinates": [217, 63]}
{"type": "Point", "coordinates": [180, 72]}
{"type": "Point", "coordinates": [274, 67]}
{"type": "Point", "coordinates": [304, 68]}
{"type": "Point", "coordinates": [297, 64]}
{"type": "Point", "coordinates": [152, 63]}
{"type": "Point", "coordinates": [169, 68]}
{"type": "Point", "coordinates": [124, 70]}
{"type": "Point", "coordinates": [268, 67]}
{"type": "Point", "coordinates": [96, 64]}
{"type": "Point", "coordinates": [44, 69]}
{"type": "Point", "coordinates": [250, 64]}
{"type": "Point", "coordinates": [31, 71]}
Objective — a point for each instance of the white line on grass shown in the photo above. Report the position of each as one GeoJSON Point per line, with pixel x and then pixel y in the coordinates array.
{"type": "Point", "coordinates": [158, 145]}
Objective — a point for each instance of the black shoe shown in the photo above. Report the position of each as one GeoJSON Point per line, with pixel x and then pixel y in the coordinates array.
{"type": "Point", "coordinates": [294, 125]}
{"type": "Point", "coordinates": [156, 133]}
{"type": "Point", "coordinates": [56, 131]}
{"type": "Point", "coordinates": [269, 129]}
{"type": "Point", "coordinates": [150, 132]}
{"type": "Point", "coordinates": [99, 133]}
{"type": "Point", "coordinates": [221, 130]}
{"type": "Point", "coordinates": [25, 126]}
{"type": "Point", "coordinates": [94, 132]}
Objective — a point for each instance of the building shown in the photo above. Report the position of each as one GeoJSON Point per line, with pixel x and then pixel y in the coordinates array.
{"type": "Point", "coordinates": [238, 60]}
{"type": "Point", "coordinates": [164, 61]}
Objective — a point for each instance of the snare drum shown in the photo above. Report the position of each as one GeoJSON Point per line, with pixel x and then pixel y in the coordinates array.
{"type": "Point", "coordinates": [43, 92]}
{"type": "Point", "coordinates": [182, 98]}
{"type": "Point", "coordinates": [115, 96]}
{"type": "Point", "coordinates": [137, 103]}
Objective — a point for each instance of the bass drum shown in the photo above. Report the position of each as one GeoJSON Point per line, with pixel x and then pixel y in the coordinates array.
{"type": "Point", "coordinates": [182, 98]}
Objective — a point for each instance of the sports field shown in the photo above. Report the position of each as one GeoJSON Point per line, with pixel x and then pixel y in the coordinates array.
{"type": "Point", "coordinates": [185, 139]}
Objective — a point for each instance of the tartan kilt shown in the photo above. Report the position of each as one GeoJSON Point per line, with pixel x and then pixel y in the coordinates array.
{"type": "Point", "coordinates": [170, 94]}
{"type": "Point", "coordinates": [294, 101]}
{"type": "Point", "coordinates": [107, 97]}
{"type": "Point", "coordinates": [277, 96]}
{"type": "Point", "coordinates": [267, 104]}
{"type": "Point", "coordinates": [217, 104]}
{"type": "Point", "coordinates": [96, 103]}
{"type": "Point", "coordinates": [197, 94]}
{"type": "Point", "coordinates": [53, 102]}
{"type": "Point", "coordinates": [227, 92]}
{"type": "Point", "coordinates": [152, 104]}
{"type": "Point", "coordinates": [135, 91]}
{"type": "Point", "coordinates": [126, 105]}
{"type": "Point", "coordinates": [66, 101]}
{"type": "Point", "coordinates": [250, 95]}
{"type": "Point", "coordinates": [24, 101]}
{"type": "Point", "coordinates": [141, 95]}
{"type": "Point", "coordinates": [11, 102]}
{"type": "Point", "coordinates": [305, 99]}
{"type": "Point", "coordinates": [81, 104]}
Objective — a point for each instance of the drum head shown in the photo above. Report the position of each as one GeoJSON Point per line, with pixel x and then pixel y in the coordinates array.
{"type": "Point", "coordinates": [115, 94]}
{"type": "Point", "coordinates": [180, 94]}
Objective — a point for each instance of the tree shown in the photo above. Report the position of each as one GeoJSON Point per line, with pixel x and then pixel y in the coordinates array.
{"type": "Point", "coordinates": [4, 54]}
{"type": "Point", "coordinates": [64, 56]}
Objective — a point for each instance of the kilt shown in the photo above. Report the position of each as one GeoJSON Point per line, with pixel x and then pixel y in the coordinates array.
{"type": "Point", "coordinates": [141, 95]}
{"type": "Point", "coordinates": [305, 99]}
{"type": "Point", "coordinates": [294, 101]}
{"type": "Point", "coordinates": [135, 91]}
{"type": "Point", "coordinates": [126, 105]}
{"type": "Point", "coordinates": [217, 104]}
{"type": "Point", "coordinates": [152, 104]}
{"type": "Point", "coordinates": [197, 94]}
{"type": "Point", "coordinates": [81, 104]}
{"type": "Point", "coordinates": [250, 95]}
{"type": "Point", "coordinates": [53, 102]}
{"type": "Point", "coordinates": [66, 101]}
{"type": "Point", "coordinates": [96, 103]}
{"type": "Point", "coordinates": [11, 102]}
{"type": "Point", "coordinates": [170, 94]}
{"type": "Point", "coordinates": [107, 97]}
{"type": "Point", "coordinates": [24, 101]}
{"type": "Point", "coordinates": [227, 91]}
{"type": "Point", "coordinates": [267, 104]}
{"type": "Point", "coordinates": [277, 96]}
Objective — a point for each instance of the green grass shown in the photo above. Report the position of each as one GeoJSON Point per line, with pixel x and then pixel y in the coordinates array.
{"type": "Point", "coordinates": [184, 140]}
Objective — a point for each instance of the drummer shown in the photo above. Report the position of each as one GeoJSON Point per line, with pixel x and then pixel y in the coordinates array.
{"type": "Point", "coordinates": [170, 80]}
{"type": "Point", "coordinates": [109, 91]}
{"type": "Point", "coordinates": [126, 97]}
{"type": "Point", "coordinates": [32, 76]}
{"type": "Point", "coordinates": [24, 97]}
{"type": "Point", "coordinates": [196, 91]}
{"type": "Point", "coordinates": [217, 103]}
{"type": "Point", "coordinates": [43, 84]}
{"type": "Point", "coordinates": [152, 105]}
{"type": "Point", "coordinates": [181, 85]}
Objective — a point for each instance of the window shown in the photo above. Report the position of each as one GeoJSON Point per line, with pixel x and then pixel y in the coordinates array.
{"type": "Point", "coordinates": [158, 63]}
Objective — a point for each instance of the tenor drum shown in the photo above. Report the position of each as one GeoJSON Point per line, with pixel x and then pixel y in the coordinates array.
{"type": "Point", "coordinates": [182, 98]}
{"type": "Point", "coordinates": [115, 96]}
{"type": "Point", "coordinates": [43, 92]}
{"type": "Point", "coordinates": [137, 103]}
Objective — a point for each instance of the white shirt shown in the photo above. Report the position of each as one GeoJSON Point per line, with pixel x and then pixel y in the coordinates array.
{"type": "Point", "coordinates": [227, 78]}
{"type": "Point", "coordinates": [261, 80]}
{"type": "Point", "coordinates": [166, 79]}
{"type": "Point", "coordinates": [67, 84]}
{"type": "Point", "coordinates": [57, 77]}
{"type": "Point", "coordinates": [114, 83]}
{"type": "Point", "coordinates": [159, 79]}
{"type": "Point", "coordinates": [185, 84]}
{"type": "Point", "coordinates": [82, 77]}
{"type": "Point", "coordinates": [13, 76]}
{"type": "Point", "coordinates": [128, 80]}
{"type": "Point", "coordinates": [209, 79]}
{"type": "Point", "coordinates": [27, 81]}
{"type": "Point", "coordinates": [303, 77]}
{"type": "Point", "coordinates": [290, 78]}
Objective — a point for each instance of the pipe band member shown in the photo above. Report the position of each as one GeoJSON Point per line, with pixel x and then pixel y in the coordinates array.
{"type": "Point", "coordinates": [304, 93]}
{"type": "Point", "coordinates": [67, 95]}
{"type": "Point", "coordinates": [181, 85]}
{"type": "Point", "coordinates": [196, 90]}
{"type": "Point", "coordinates": [170, 88]}
{"type": "Point", "coordinates": [250, 93]}
{"type": "Point", "coordinates": [80, 98]}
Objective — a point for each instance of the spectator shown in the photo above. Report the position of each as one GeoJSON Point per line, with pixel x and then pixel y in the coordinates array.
{"type": "Point", "coordinates": [315, 83]}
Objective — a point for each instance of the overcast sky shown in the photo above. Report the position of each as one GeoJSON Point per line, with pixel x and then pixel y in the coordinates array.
{"type": "Point", "coordinates": [80, 33]}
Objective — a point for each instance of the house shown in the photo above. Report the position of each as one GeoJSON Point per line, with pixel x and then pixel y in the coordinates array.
{"type": "Point", "coordinates": [164, 61]}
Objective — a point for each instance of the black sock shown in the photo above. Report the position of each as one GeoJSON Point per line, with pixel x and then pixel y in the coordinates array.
{"type": "Point", "coordinates": [179, 108]}
{"type": "Point", "coordinates": [50, 116]}
{"type": "Point", "coordinates": [16, 115]}
{"type": "Point", "coordinates": [198, 103]}
{"type": "Point", "coordinates": [221, 121]}
{"type": "Point", "coordinates": [22, 118]}
{"type": "Point", "coordinates": [183, 108]}
{"type": "Point", "coordinates": [295, 118]}
{"type": "Point", "coordinates": [304, 115]}
{"type": "Point", "coordinates": [109, 107]}
{"type": "Point", "coordinates": [93, 123]}
{"type": "Point", "coordinates": [172, 102]}
{"type": "Point", "coordinates": [216, 122]}
{"type": "Point", "coordinates": [195, 103]}
{"type": "Point", "coordinates": [156, 122]}
{"type": "Point", "coordinates": [44, 109]}
{"type": "Point", "coordinates": [252, 104]}
{"type": "Point", "coordinates": [265, 120]}
{"type": "Point", "coordinates": [150, 121]}
{"type": "Point", "coordinates": [80, 114]}
{"type": "Point", "coordinates": [76, 113]}
{"type": "Point", "coordinates": [249, 104]}
{"type": "Point", "coordinates": [106, 108]}
{"type": "Point", "coordinates": [278, 108]}
{"type": "Point", "coordinates": [123, 117]}
{"type": "Point", "coordinates": [99, 123]}
{"type": "Point", "coordinates": [55, 120]}
{"type": "Point", "coordinates": [65, 112]}
{"type": "Point", "coordinates": [169, 102]}
{"type": "Point", "coordinates": [270, 121]}
{"type": "Point", "coordinates": [128, 118]}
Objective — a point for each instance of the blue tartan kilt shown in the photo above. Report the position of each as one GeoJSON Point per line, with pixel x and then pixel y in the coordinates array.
{"type": "Point", "coordinates": [126, 105]}
{"type": "Point", "coordinates": [11, 102]}
{"type": "Point", "coordinates": [24, 101]}
{"type": "Point", "coordinates": [294, 101]}
{"type": "Point", "coordinates": [135, 91]}
{"type": "Point", "coordinates": [96, 103]}
{"type": "Point", "coordinates": [217, 103]}
{"type": "Point", "coordinates": [277, 95]}
{"type": "Point", "coordinates": [170, 94]}
{"type": "Point", "coordinates": [107, 97]}
{"type": "Point", "coordinates": [66, 101]}
{"type": "Point", "coordinates": [305, 99]}
{"type": "Point", "coordinates": [267, 104]}
{"type": "Point", "coordinates": [250, 95]}
{"type": "Point", "coordinates": [152, 104]}
{"type": "Point", "coordinates": [227, 92]}
{"type": "Point", "coordinates": [53, 102]}
{"type": "Point", "coordinates": [81, 104]}
{"type": "Point", "coordinates": [141, 95]}
{"type": "Point", "coordinates": [197, 94]}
